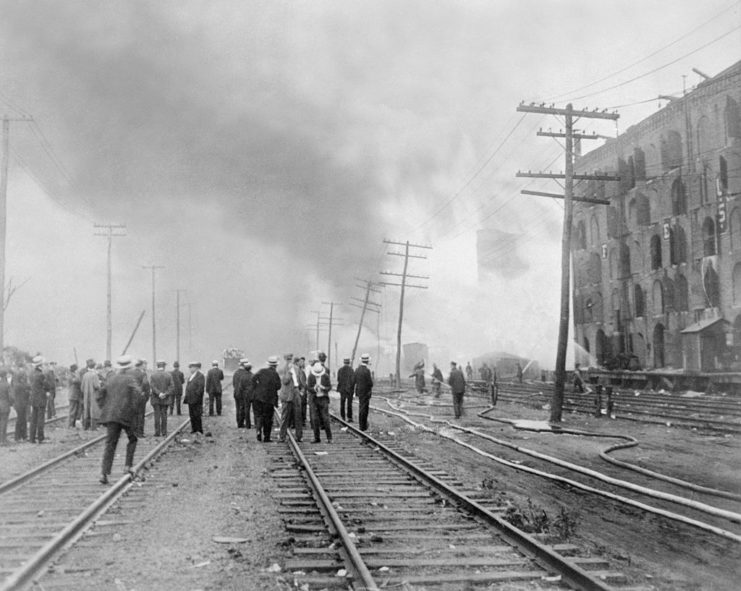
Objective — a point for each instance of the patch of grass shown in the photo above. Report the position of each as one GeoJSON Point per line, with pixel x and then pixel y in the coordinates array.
{"type": "Point", "coordinates": [534, 519]}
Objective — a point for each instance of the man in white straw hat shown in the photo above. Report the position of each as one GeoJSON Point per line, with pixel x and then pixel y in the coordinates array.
{"type": "Point", "coordinates": [363, 390]}
{"type": "Point", "coordinates": [119, 400]}
{"type": "Point", "coordinates": [266, 384]}
{"type": "Point", "coordinates": [39, 396]}
{"type": "Point", "coordinates": [320, 384]}
{"type": "Point", "coordinates": [162, 392]}
{"type": "Point", "coordinates": [194, 388]}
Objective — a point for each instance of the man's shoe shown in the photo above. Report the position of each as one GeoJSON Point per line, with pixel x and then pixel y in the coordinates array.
{"type": "Point", "coordinates": [103, 479]}
{"type": "Point", "coordinates": [259, 437]}
{"type": "Point", "coordinates": [315, 441]}
{"type": "Point", "coordinates": [329, 441]}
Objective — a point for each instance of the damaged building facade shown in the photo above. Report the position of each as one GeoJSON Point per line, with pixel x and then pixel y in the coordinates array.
{"type": "Point", "coordinates": [657, 272]}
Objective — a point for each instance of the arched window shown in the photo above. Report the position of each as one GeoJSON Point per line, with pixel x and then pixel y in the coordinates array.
{"type": "Point", "coordinates": [677, 245]}
{"type": "Point", "coordinates": [671, 150]}
{"type": "Point", "coordinates": [653, 162]}
{"type": "Point", "coordinates": [655, 248]}
{"type": "Point", "coordinates": [637, 256]}
{"type": "Point", "coordinates": [640, 164]}
{"type": "Point", "coordinates": [679, 198]}
{"type": "Point", "coordinates": [723, 173]}
{"type": "Point", "coordinates": [711, 284]}
{"type": "Point", "coordinates": [658, 298]}
{"type": "Point", "coordinates": [639, 301]}
{"type": "Point", "coordinates": [602, 347]}
{"type": "Point", "coordinates": [682, 296]}
{"type": "Point", "coordinates": [580, 236]}
{"type": "Point", "coordinates": [643, 210]}
{"type": "Point", "coordinates": [624, 266]}
{"type": "Point", "coordinates": [733, 118]}
{"type": "Point", "coordinates": [708, 237]}
{"type": "Point", "coordinates": [594, 231]}
{"type": "Point", "coordinates": [611, 263]}
{"type": "Point", "coordinates": [703, 137]}
{"type": "Point", "coordinates": [668, 294]}
{"type": "Point", "coordinates": [659, 345]}
{"type": "Point", "coordinates": [737, 284]}
{"type": "Point", "coordinates": [632, 217]}
{"type": "Point", "coordinates": [735, 228]}
{"type": "Point", "coordinates": [595, 268]}
{"type": "Point", "coordinates": [612, 222]}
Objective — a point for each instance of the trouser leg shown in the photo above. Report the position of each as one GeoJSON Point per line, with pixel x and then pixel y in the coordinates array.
{"type": "Point", "coordinates": [363, 409]}
{"type": "Point", "coordinates": [196, 414]}
{"type": "Point", "coordinates": [218, 404]}
{"type": "Point", "coordinates": [314, 417]}
{"type": "Point", "coordinates": [51, 410]}
{"type": "Point", "coordinates": [298, 420]}
{"type": "Point", "coordinates": [349, 406]}
{"type": "Point", "coordinates": [304, 408]}
{"type": "Point", "coordinates": [267, 421]}
{"type": "Point", "coordinates": [343, 403]}
{"type": "Point", "coordinates": [131, 445]}
{"type": "Point", "coordinates": [37, 424]}
{"type": "Point", "coordinates": [247, 407]}
{"type": "Point", "coordinates": [74, 405]}
{"type": "Point", "coordinates": [211, 401]}
{"type": "Point", "coordinates": [4, 426]}
{"type": "Point", "coordinates": [21, 423]}
{"type": "Point", "coordinates": [324, 416]}
{"type": "Point", "coordinates": [179, 400]}
{"type": "Point", "coordinates": [111, 441]}
{"type": "Point", "coordinates": [286, 412]}
{"type": "Point", "coordinates": [257, 406]}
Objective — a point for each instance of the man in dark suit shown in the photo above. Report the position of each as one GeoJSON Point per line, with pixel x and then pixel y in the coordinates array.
{"type": "Point", "coordinates": [194, 389]}
{"type": "Point", "coordinates": [119, 399]}
{"type": "Point", "coordinates": [39, 398]}
{"type": "Point", "coordinates": [213, 388]}
{"type": "Point", "coordinates": [178, 379]}
{"type": "Point", "coordinates": [346, 386]}
{"type": "Point", "coordinates": [266, 383]}
{"type": "Point", "coordinates": [239, 393]}
{"type": "Point", "coordinates": [364, 390]}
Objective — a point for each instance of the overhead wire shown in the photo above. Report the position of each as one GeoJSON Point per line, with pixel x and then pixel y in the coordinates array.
{"type": "Point", "coordinates": [643, 59]}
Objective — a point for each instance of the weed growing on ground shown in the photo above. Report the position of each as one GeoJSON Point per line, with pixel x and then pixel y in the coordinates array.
{"type": "Point", "coordinates": [534, 519]}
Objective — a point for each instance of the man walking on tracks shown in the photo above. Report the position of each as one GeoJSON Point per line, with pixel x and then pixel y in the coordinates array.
{"type": "Point", "coordinates": [39, 396]}
{"type": "Point", "coordinates": [248, 393]}
{"type": "Point", "coordinates": [194, 397]}
{"type": "Point", "coordinates": [90, 385]}
{"type": "Point", "coordinates": [346, 387]}
{"type": "Point", "coordinates": [363, 390]}
{"type": "Point", "coordinates": [119, 400]}
{"type": "Point", "coordinates": [142, 380]}
{"type": "Point", "coordinates": [178, 379]}
{"type": "Point", "coordinates": [290, 398]}
{"type": "Point", "coordinates": [437, 380]}
{"type": "Point", "coordinates": [457, 384]}
{"type": "Point", "coordinates": [320, 384]}
{"type": "Point", "coordinates": [213, 388]}
{"type": "Point", "coordinates": [239, 393]}
{"type": "Point", "coordinates": [266, 384]}
{"type": "Point", "coordinates": [162, 389]}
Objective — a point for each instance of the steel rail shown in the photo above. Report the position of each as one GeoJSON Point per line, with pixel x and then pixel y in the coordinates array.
{"type": "Point", "coordinates": [26, 574]}
{"type": "Point", "coordinates": [357, 564]}
{"type": "Point", "coordinates": [576, 577]}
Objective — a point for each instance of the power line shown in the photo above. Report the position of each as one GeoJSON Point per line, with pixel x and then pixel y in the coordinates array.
{"type": "Point", "coordinates": [643, 59]}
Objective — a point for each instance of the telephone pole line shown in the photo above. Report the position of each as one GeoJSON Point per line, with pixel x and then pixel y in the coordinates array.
{"type": "Point", "coordinates": [571, 115]}
{"type": "Point", "coordinates": [154, 316]}
{"type": "Point", "coordinates": [332, 322]}
{"type": "Point", "coordinates": [3, 216]}
{"type": "Point", "coordinates": [177, 323]}
{"type": "Point", "coordinates": [109, 231]}
{"type": "Point", "coordinates": [404, 276]}
{"type": "Point", "coordinates": [369, 287]}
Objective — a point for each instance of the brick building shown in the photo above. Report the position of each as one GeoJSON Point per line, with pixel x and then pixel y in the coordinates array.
{"type": "Point", "coordinates": [657, 273]}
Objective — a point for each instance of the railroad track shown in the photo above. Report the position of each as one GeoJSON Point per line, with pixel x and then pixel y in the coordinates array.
{"type": "Point", "coordinates": [360, 512]}
{"type": "Point", "coordinates": [46, 509]}
{"type": "Point", "coordinates": [708, 412]}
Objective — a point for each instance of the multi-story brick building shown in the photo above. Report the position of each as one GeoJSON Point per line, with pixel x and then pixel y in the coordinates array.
{"type": "Point", "coordinates": [657, 273]}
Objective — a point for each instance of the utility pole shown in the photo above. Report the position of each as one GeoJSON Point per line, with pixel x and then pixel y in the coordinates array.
{"type": "Point", "coordinates": [109, 231]}
{"type": "Point", "coordinates": [3, 217]}
{"type": "Point", "coordinates": [154, 321]}
{"type": "Point", "coordinates": [404, 276]}
{"type": "Point", "coordinates": [177, 323]}
{"type": "Point", "coordinates": [374, 307]}
{"type": "Point", "coordinates": [571, 116]}
{"type": "Point", "coordinates": [332, 322]}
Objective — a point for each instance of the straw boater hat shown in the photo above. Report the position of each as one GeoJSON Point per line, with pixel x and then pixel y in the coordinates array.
{"type": "Point", "coordinates": [37, 361]}
{"type": "Point", "coordinates": [124, 361]}
{"type": "Point", "coordinates": [317, 369]}
{"type": "Point", "coordinates": [244, 361]}
{"type": "Point", "coordinates": [273, 360]}
{"type": "Point", "coordinates": [194, 364]}
{"type": "Point", "coordinates": [215, 363]}
{"type": "Point", "coordinates": [365, 358]}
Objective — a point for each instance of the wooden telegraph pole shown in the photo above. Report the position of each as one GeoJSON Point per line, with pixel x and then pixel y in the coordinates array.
{"type": "Point", "coordinates": [154, 322]}
{"type": "Point", "coordinates": [368, 305]}
{"type": "Point", "coordinates": [177, 323]}
{"type": "Point", "coordinates": [404, 276]}
{"type": "Point", "coordinates": [568, 176]}
{"type": "Point", "coordinates": [332, 321]}
{"type": "Point", "coordinates": [109, 231]}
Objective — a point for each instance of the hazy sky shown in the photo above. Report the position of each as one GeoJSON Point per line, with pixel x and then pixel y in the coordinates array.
{"type": "Point", "coordinates": [261, 151]}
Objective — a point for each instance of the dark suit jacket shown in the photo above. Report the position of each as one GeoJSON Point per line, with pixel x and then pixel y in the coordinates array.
{"type": "Point", "coordinates": [345, 380]}
{"type": "Point", "coordinates": [266, 384]}
{"type": "Point", "coordinates": [363, 380]}
{"type": "Point", "coordinates": [213, 380]}
{"type": "Point", "coordinates": [194, 389]}
{"type": "Point", "coordinates": [119, 399]}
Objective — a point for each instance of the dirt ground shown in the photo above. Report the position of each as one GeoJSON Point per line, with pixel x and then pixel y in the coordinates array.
{"type": "Point", "coordinates": [653, 551]}
{"type": "Point", "coordinates": [197, 492]}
